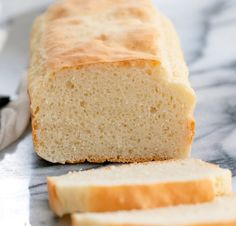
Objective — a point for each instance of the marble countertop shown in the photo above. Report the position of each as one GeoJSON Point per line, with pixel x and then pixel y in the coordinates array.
{"type": "Point", "coordinates": [207, 31]}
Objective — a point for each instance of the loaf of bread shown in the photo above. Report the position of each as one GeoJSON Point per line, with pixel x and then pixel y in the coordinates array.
{"type": "Point", "coordinates": [108, 81]}
{"type": "Point", "coordinates": [138, 186]}
{"type": "Point", "coordinates": [221, 212]}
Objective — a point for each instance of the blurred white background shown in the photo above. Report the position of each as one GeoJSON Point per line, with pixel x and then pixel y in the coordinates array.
{"type": "Point", "coordinates": [16, 18]}
{"type": "Point", "coordinates": [14, 7]}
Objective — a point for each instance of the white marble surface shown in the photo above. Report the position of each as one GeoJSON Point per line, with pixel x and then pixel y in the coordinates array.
{"type": "Point", "coordinates": [208, 33]}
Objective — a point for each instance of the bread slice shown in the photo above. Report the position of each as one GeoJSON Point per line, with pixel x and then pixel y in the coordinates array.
{"type": "Point", "coordinates": [108, 81]}
{"type": "Point", "coordinates": [220, 212]}
{"type": "Point", "coordinates": [138, 186]}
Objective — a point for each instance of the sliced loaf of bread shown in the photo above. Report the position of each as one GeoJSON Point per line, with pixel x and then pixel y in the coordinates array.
{"type": "Point", "coordinates": [108, 82]}
{"type": "Point", "coordinates": [220, 212]}
{"type": "Point", "coordinates": [138, 186]}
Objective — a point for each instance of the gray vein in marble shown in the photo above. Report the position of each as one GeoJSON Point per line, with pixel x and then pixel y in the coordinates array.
{"type": "Point", "coordinates": [207, 14]}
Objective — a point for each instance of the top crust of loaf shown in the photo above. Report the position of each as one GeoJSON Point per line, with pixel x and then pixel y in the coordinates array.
{"type": "Point", "coordinates": [77, 32]}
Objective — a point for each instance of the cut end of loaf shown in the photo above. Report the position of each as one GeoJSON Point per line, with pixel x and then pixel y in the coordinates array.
{"type": "Point", "coordinates": [117, 112]}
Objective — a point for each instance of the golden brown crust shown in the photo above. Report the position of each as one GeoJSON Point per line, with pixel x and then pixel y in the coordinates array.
{"type": "Point", "coordinates": [229, 223]}
{"type": "Point", "coordinates": [232, 223]}
{"type": "Point", "coordinates": [85, 32]}
{"type": "Point", "coordinates": [73, 33]}
{"type": "Point", "coordinates": [206, 218]}
{"type": "Point", "coordinates": [34, 124]}
{"type": "Point", "coordinates": [103, 198]}
{"type": "Point", "coordinates": [74, 222]}
{"type": "Point", "coordinates": [95, 159]}
{"type": "Point", "coordinates": [34, 131]}
{"type": "Point", "coordinates": [149, 196]}
{"type": "Point", "coordinates": [191, 129]}
{"type": "Point", "coordinates": [53, 197]}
